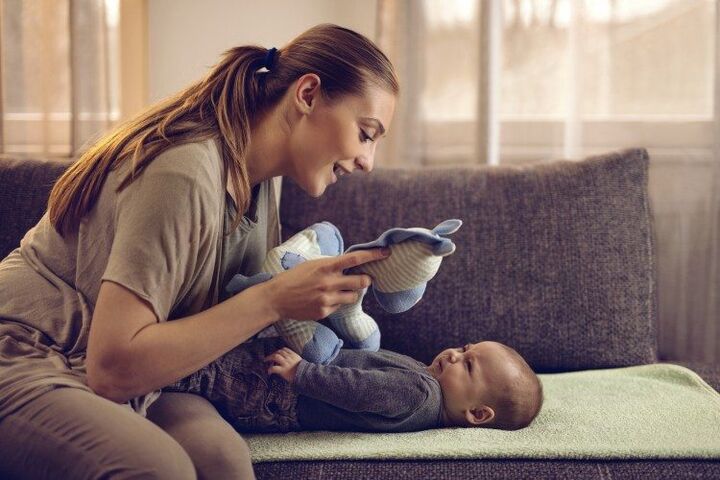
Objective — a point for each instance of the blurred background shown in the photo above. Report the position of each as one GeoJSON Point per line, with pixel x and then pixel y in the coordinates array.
{"type": "Point", "coordinates": [484, 82]}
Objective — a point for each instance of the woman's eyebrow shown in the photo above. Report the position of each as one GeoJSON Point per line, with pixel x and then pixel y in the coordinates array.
{"type": "Point", "coordinates": [377, 124]}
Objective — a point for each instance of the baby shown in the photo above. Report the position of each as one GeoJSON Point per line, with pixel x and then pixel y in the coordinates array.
{"type": "Point", "coordinates": [263, 386]}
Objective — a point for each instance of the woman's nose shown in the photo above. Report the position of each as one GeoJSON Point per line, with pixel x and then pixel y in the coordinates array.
{"type": "Point", "coordinates": [364, 164]}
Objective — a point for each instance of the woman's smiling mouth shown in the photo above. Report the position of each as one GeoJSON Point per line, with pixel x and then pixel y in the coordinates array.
{"type": "Point", "coordinates": [338, 171]}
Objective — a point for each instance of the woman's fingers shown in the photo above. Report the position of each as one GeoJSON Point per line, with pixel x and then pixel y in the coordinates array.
{"type": "Point", "coordinates": [354, 282]}
{"type": "Point", "coordinates": [353, 259]}
{"type": "Point", "coordinates": [345, 298]}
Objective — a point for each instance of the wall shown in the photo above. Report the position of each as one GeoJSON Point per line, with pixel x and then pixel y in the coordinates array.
{"type": "Point", "coordinates": [187, 37]}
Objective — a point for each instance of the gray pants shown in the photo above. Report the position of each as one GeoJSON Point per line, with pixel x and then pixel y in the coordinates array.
{"type": "Point", "coordinates": [70, 433]}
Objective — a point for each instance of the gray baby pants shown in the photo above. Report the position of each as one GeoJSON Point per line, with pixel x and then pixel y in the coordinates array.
{"type": "Point", "coordinates": [69, 433]}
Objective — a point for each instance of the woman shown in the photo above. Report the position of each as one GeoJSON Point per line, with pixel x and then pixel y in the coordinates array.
{"type": "Point", "coordinates": [145, 227]}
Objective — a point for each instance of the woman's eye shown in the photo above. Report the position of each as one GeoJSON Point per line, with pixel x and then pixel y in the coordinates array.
{"type": "Point", "coordinates": [364, 136]}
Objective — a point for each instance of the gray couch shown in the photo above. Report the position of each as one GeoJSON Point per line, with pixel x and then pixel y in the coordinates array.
{"type": "Point", "coordinates": [557, 260]}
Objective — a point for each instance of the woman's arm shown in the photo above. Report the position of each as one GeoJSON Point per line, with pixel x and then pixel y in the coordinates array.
{"type": "Point", "coordinates": [130, 354]}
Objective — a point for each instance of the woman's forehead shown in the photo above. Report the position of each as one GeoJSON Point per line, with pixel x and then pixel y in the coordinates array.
{"type": "Point", "coordinates": [376, 104]}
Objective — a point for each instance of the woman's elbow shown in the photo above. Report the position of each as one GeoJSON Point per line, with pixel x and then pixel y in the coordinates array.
{"type": "Point", "coordinates": [108, 384]}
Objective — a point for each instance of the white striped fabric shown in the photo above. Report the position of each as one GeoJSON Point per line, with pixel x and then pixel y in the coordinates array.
{"type": "Point", "coordinates": [296, 333]}
{"type": "Point", "coordinates": [411, 264]}
{"type": "Point", "coordinates": [351, 323]}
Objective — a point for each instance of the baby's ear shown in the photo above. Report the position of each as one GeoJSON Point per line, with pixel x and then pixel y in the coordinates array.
{"type": "Point", "coordinates": [480, 415]}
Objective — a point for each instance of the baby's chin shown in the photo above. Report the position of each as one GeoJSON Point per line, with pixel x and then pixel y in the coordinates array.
{"type": "Point", "coordinates": [433, 371]}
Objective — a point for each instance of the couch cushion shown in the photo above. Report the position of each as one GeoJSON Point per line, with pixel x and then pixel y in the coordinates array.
{"type": "Point", "coordinates": [556, 260]}
{"type": "Point", "coordinates": [26, 183]}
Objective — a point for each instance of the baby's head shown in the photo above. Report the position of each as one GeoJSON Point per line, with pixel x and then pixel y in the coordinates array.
{"type": "Point", "coordinates": [487, 384]}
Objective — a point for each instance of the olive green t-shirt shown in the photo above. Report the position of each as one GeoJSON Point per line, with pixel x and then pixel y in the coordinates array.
{"type": "Point", "coordinates": [161, 237]}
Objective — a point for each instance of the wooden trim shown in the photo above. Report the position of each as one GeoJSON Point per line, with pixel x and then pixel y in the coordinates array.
{"type": "Point", "coordinates": [133, 57]}
{"type": "Point", "coordinates": [487, 132]}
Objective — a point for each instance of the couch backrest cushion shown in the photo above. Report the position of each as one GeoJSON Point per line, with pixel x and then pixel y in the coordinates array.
{"type": "Point", "coordinates": [25, 184]}
{"type": "Point", "coordinates": [556, 260]}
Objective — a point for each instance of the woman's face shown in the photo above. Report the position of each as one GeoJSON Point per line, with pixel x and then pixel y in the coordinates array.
{"type": "Point", "coordinates": [328, 141]}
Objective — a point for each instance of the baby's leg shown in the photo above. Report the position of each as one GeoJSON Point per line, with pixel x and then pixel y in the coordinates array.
{"type": "Point", "coordinates": [239, 387]}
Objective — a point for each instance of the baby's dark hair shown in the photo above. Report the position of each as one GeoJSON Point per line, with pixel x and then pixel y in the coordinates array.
{"type": "Point", "coordinates": [519, 401]}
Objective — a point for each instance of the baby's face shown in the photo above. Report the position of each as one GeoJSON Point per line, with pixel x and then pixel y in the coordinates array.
{"type": "Point", "coordinates": [467, 374]}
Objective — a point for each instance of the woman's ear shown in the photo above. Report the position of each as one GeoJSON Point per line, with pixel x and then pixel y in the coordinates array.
{"type": "Point", "coordinates": [307, 92]}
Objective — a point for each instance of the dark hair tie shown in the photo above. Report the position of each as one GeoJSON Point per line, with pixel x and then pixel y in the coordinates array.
{"type": "Point", "coordinates": [269, 58]}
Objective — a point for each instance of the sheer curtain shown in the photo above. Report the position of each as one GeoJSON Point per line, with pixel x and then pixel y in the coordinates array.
{"type": "Point", "coordinates": [526, 81]}
{"type": "Point", "coordinates": [59, 71]}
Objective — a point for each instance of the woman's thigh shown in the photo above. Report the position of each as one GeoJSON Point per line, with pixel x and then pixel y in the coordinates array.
{"type": "Point", "coordinates": [215, 448]}
{"type": "Point", "coordinates": [71, 433]}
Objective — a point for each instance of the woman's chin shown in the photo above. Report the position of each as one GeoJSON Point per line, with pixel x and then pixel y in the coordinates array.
{"type": "Point", "coordinates": [317, 190]}
{"type": "Point", "coordinates": [322, 185]}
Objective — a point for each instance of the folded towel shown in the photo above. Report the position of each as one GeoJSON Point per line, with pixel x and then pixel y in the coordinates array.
{"type": "Point", "coordinates": [647, 411]}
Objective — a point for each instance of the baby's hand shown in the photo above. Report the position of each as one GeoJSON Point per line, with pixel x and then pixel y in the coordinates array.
{"type": "Point", "coordinates": [285, 363]}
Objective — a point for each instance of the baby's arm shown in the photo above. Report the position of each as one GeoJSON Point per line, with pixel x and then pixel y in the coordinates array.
{"type": "Point", "coordinates": [392, 392]}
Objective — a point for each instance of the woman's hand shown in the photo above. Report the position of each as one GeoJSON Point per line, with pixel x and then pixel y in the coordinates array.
{"type": "Point", "coordinates": [285, 363]}
{"type": "Point", "coordinates": [316, 288]}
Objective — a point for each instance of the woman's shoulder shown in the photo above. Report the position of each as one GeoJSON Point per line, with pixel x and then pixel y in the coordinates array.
{"type": "Point", "coordinates": [188, 169]}
{"type": "Point", "coordinates": [196, 160]}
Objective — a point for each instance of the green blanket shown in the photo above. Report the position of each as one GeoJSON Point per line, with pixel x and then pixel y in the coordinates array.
{"type": "Point", "coordinates": [648, 411]}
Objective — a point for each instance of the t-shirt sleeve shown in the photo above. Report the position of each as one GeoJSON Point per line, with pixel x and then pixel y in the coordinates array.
{"type": "Point", "coordinates": [164, 227]}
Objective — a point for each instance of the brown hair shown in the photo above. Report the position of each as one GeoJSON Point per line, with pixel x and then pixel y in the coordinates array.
{"type": "Point", "coordinates": [519, 402]}
{"type": "Point", "coordinates": [224, 104]}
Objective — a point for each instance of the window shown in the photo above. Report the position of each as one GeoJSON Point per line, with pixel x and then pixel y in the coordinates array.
{"type": "Point", "coordinates": [59, 65]}
{"type": "Point", "coordinates": [627, 72]}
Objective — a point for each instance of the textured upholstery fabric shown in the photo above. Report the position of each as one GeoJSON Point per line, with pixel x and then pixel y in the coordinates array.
{"type": "Point", "coordinates": [489, 469]}
{"type": "Point", "coordinates": [25, 184]}
{"type": "Point", "coordinates": [556, 260]}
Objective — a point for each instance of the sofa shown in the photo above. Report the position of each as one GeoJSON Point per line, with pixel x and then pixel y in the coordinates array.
{"type": "Point", "coordinates": [556, 260]}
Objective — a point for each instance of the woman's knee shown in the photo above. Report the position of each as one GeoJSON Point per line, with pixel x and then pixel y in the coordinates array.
{"type": "Point", "coordinates": [216, 449]}
{"type": "Point", "coordinates": [230, 454]}
{"type": "Point", "coordinates": [72, 433]}
{"type": "Point", "coordinates": [168, 460]}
